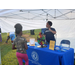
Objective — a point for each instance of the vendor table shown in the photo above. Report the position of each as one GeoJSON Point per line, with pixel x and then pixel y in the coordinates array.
{"type": "Point", "coordinates": [45, 56]}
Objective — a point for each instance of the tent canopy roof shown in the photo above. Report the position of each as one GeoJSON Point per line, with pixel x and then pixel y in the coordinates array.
{"type": "Point", "coordinates": [38, 14]}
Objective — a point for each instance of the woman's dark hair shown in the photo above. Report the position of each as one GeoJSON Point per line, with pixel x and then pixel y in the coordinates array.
{"type": "Point", "coordinates": [50, 23]}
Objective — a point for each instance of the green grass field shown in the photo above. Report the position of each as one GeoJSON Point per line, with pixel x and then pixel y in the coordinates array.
{"type": "Point", "coordinates": [8, 56]}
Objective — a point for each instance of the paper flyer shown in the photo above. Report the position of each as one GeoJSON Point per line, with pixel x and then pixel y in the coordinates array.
{"type": "Point", "coordinates": [32, 42]}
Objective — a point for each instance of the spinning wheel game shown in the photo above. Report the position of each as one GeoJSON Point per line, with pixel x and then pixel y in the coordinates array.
{"type": "Point", "coordinates": [41, 40]}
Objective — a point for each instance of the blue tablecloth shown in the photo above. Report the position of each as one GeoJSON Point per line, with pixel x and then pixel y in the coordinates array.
{"type": "Point", "coordinates": [45, 56]}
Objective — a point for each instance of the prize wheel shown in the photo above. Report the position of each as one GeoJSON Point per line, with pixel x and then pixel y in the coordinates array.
{"type": "Point", "coordinates": [41, 40]}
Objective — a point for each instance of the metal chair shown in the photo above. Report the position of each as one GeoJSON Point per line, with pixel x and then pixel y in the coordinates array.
{"type": "Point", "coordinates": [67, 42]}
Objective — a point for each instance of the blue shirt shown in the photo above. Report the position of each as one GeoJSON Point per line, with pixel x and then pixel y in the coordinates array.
{"type": "Point", "coordinates": [49, 35]}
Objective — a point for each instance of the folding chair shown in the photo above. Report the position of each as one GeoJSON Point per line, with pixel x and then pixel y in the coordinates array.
{"type": "Point", "coordinates": [65, 42]}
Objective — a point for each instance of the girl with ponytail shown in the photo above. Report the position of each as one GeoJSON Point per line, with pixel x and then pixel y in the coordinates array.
{"type": "Point", "coordinates": [21, 45]}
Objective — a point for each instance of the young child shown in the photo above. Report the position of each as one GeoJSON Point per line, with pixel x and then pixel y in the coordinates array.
{"type": "Point", "coordinates": [10, 35]}
{"type": "Point", "coordinates": [21, 46]}
{"type": "Point", "coordinates": [17, 26]}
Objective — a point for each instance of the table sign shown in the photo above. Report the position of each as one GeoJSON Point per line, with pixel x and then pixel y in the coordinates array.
{"type": "Point", "coordinates": [52, 44]}
{"type": "Point", "coordinates": [32, 42]}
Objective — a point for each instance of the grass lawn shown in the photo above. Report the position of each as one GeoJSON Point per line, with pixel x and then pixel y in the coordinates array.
{"type": "Point", "coordinates": [8, 56]}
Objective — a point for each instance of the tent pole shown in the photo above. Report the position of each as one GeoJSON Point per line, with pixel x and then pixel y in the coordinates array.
{"type": "Point", "coordinates": [55, 14]}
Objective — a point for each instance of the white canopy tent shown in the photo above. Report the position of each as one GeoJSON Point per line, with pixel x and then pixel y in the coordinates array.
{"type": "Point", "coordinates": [38, 14]}
{"type": "Point", "coordinates": [63, 21]}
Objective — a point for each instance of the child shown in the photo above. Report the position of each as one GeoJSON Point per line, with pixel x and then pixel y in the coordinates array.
{"type": "Point", "coordinates": [21, 46]}
{"type": "Point", "coordinates": [17, 26]}
{"type": "Point", "coordinates": [10, 35]}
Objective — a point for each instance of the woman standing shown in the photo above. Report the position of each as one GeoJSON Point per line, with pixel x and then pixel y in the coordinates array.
{"type": "Point", "coordinates": [49, 32]}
